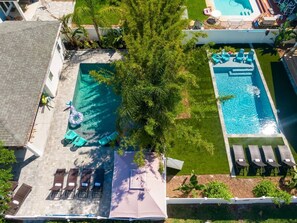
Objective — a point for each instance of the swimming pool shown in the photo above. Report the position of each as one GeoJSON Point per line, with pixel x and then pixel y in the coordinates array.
{"type": "Point", "coordinates": [97, 102]}
{"type": "Point", "coordinates": [249, 111]}
{"type": "Point", "coordinates": [234, 7]}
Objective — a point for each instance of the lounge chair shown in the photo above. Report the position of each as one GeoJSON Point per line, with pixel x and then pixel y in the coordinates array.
{"type": "Point", "coordinates": [286, 157]}
{"type": "Point", "coordinates": [98, 181]}
{"type": "Point", "coordinates": [79, 142]}
{"type": "Point", "coordinates": [18, 199]}
{"type": "Point", "coordinates": [239, 156]}
{"type": "Point", "coordinates": [270, 159]}
{"type": "Point", "coordinates": [240, 56]}
{"type": "Point", "coordinates": [71, 181]}
{"type": "Point", "coordinates": [216, 58]}
{"type": "Point", "coordinates": [85, 179]}
{"type": "Point", "coordinates": [225, 56]}
{"type": "Point", "coordinates": [70, 136]}
{"type": "Point", "coordinates": [58, 181]}
{"type": "Point", "coordinates": [14, 185]}
{"type": "Point", "coordinates": [256, 158]}
{"type": "Point", "coordinates": [250, 57]}
{"type": "Point", "coordinates": [107, 139]}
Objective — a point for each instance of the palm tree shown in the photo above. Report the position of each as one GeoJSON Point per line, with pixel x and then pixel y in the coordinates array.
{"type": "Point", "coordinates": [89, 10]}
{"type": "Point", "coordinates": [72, 36]}
{"type": "Point", "coordinates": [286, 33]}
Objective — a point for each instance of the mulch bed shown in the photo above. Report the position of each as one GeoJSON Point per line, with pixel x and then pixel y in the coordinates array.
{"type": "Point", "coordinates": [239, 187]}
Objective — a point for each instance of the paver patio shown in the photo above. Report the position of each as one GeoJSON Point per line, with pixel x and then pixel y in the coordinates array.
{"type": "Point", "coordinates": [39, 172]}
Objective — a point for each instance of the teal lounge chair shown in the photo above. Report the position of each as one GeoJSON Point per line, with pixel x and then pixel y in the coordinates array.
{"type": "Point", "coordinates": [70, 136]}
{"type": "Point", "coordinates": [240, 56]}
{"type": "Point", "coordinates": [216, 58]}
{"type": "Point", "coordinates": [107, 139]}
{"type": "Point", "coordinates": [225, 56]}
{"type": "Point", "coordinates": [250, 57]}
{"type": "Point", "coordinates": [79, 142]}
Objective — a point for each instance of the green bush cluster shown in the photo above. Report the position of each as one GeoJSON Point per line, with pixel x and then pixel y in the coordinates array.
{"type": "Point", "coordinates": [217, 189]}
{"type": "Point", "coordinates": [269, 189]}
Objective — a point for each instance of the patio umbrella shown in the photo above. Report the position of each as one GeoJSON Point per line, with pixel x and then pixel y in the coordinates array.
{"type": "Point", "coordinates": [216, 14]}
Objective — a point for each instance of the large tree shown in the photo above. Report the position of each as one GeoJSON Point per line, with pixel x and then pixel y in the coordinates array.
{"type": "Point", "coordinates": [7, 158]}
{"type": "Point", "coordinates": [151, 75]}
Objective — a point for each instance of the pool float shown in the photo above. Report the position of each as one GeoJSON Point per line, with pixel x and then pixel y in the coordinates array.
{"type": "Point", "coordinates": [75, 118]}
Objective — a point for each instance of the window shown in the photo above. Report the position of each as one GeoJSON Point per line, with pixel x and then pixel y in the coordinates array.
{"type": "Point", "coordinates": [51, 76]}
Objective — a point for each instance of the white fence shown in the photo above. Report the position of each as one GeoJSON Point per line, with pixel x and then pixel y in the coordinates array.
{"type": "Point", "coordinates": [260, 200]}
{"type": "Point", "coordinates": [234, 36]}
{"type": "Point", "coordinates": [224, 36]}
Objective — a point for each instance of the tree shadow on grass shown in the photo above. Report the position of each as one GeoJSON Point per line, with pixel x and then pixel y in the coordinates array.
{"type": "Point", "coordinates": [286, 102]}
{"type": "Point", "coordinates": [266, 49]}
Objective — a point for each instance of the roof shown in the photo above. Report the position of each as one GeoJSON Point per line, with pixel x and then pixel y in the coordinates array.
{"type": "Point", "coordinates": [137, 193]}
{"type": "Point", "coordinates": [25, 53]}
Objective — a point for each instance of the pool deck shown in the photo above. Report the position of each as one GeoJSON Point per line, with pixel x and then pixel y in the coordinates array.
{"type": "Point", "coordinates": [232, 63]}
{"type": "Point", "coordinates": [38, 172]}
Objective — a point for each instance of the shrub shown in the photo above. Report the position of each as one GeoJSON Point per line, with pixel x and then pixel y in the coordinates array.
{"type": "Point", "coordinates": [192, 185]}
{"type": "Point", "coordinates": [217, 189]}
{"type": "Point", "coordinates": [264, 188]}
{"type": "Point", "coordinates": [269, 189]}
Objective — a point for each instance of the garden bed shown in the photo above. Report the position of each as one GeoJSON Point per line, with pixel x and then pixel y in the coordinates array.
{"type": "Point", "coordinates": [239, 187]}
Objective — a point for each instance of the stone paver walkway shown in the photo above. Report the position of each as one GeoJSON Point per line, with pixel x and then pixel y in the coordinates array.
{"type": "Point", "coordinates": [39, 172]}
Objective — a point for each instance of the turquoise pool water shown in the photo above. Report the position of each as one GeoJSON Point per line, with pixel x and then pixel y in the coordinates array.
{"type": "Point", "coordinates": [249, 112]}
{"type": "Point", "coordinates": [234, 7]}
{"type": "Point", "coordinates": [97, 102]}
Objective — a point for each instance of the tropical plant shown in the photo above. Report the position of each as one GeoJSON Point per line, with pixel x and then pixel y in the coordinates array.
{"type": "Point", "coordinates": [217, 189]}
{"type": "Point", "coordinates": [72, 35]}
{"type": "Point", "coordinates": [89, 10]}
{"type": "Point", "coordinates": [286, 33]}
{"type": "Point", "coordinates": [269, 189]}
{"type": "Point", "coordinates": [7, 158]}
{"type": "Point", "coordinates": [113, 39]}
{"type": "Point", "coordinates": [192, 185]}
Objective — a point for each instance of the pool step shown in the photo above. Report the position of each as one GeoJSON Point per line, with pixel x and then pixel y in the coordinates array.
{"type": "Point", "coordinates": [241, 70]}
{"type": "Point", "coordinates": [240, 73]}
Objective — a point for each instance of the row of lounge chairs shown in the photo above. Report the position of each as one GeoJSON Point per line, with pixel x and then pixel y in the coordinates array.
{"type": "Point", "coordinates": [269, 161]}
{"type": "Point", "coordinates": [85, 182]}
{"type": "Point", "coordinates": [18, 198]}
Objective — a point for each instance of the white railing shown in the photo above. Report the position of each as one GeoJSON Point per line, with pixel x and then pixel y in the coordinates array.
{"type": "Point", "coordinates": [259, 200]}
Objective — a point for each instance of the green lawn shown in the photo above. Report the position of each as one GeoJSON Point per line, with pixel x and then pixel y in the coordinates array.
{"type": "Point", "coordinates": [232, 213]}
{"type": "Point", "coordinates": [111, 18]}
{"type": "Point", "coordinates": [195, 9]}
{"type": "Point", "coordinates": [205, 119]}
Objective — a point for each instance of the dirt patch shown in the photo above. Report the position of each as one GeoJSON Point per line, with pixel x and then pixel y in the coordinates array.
{"type": "Point", "coordinates": [239, 187]}
{"type": "Point", "coordinates": [186, 114]}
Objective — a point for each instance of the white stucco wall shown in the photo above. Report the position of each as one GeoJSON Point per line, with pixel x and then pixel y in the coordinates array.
{"type": "Point", "coordinates": [55, 69]}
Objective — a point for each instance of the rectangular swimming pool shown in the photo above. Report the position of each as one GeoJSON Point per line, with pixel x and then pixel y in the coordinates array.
{"type": "Point", "coordinates": [234, 7]}
{"type": "Point", "coordinates": [97, 102]}
{"type": "Point", "coordinates": [249, 110]}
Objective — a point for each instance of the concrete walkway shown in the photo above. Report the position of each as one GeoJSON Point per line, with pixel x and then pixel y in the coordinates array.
{"type": "Point", "coordinates": [39, 172]}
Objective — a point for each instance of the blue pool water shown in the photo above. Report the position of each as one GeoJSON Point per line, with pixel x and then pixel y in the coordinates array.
{"type": "Point", "coordinates": [97, 102]}
{"type": "Point", "coordinates": [234, 7]}
{"type": "Point", "coordinates": [249, 112]}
